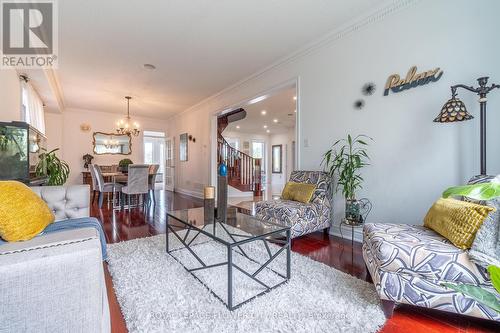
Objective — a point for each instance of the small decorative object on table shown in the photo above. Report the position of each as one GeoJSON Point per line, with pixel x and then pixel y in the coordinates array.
{"type": "Point", "coordinates": [87, 159]}
{"type": "Point", "coordinates": [209, 204]}
{"type": "Point", "coordinates": [123, 164]}
{"type": "Point", "coordinates": [222, 193]}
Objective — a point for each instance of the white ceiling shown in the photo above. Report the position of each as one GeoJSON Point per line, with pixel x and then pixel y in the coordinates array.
{"type": "Point", "coordinates": [280, 106]}
{"type": "Point", "coordinates": [198, 46]}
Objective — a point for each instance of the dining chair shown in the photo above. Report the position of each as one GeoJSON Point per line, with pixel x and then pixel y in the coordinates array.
{"type": "Point", "coordinates": [138, 183]}
{"type": "Point", "coordinates": [153, 170]}
{"type": "Point", "coordinates": [103, 187]}
{"type": "Point", "coordinates": [95, 187]}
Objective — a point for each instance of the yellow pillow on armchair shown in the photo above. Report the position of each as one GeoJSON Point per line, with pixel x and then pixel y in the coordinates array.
{"type": "Point", "coordinates": [300, 192]}
{"type": "Point", "coordinates": [23, 214]}
{"type": "Point", "coordinates": [456, 220]}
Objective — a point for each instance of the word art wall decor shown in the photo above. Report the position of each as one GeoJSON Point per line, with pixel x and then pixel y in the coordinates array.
{"type": "Point", "coordinates": [413, 79]}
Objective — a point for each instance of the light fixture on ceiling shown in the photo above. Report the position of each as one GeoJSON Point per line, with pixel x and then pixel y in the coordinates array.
{"type": "Point", "coordinates": [126, 126]}
{"type": "Point", "coordinates": [265, 126]}
{"type": "Point", "coordinates": [150, 67]}
{"type": "Point", "coordinates": [295, 111]}
{"type": "Point", "coordinates": [268, 131]}
{"type": "Point", "coordinates": [111, 144]}
{"type": "Point", "coordinates": [263, 112]}
{"type": "Point", "coordinates": [294, 98]}
{"type": "Point", "coordinates": [275, 120]}
{"type": "Point", "coordinates": [257, 99]}
{"type": "Point", "coordinates": [237, 126]}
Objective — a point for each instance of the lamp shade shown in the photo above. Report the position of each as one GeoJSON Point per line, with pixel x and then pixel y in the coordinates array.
{"type": "Point", "coordinates": [453, 110]}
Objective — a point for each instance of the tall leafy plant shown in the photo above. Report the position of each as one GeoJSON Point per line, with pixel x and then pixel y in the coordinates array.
{"type": "Point", "coordinates": [51, 166]}
{"type": "Point", "coordinates": [345, 159]}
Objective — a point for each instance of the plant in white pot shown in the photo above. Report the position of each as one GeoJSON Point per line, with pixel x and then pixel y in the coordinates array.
{"type": "Point", "coordinates": [344, 160]}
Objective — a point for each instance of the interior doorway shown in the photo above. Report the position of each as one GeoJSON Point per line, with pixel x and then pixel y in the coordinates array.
{"type": "Point", "coordinates": [170, 164]}
{"type": "Point", "coordinates": [267, 120]}
{"type": "Point", "coordinates": [154, 153]}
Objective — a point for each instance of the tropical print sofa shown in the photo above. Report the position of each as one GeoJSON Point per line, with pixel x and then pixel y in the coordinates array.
{"type": "Point", "coordinates": [303, 218]}
{"type": "Point", "coordinates": [408, 264]}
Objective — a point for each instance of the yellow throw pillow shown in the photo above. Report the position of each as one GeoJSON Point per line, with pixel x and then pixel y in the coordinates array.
{"type": "Point", "coordinates": [456, 220]}
{"type": "Point", "coordinates": [23, 214]}
{"type": "Point", "coordinates": [298, 192]}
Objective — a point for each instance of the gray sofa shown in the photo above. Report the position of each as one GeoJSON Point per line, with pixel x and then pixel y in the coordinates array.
{"type": "Point", "coordinates": [303, 218]}
{"type": "Point", "coordinates": [55, 282]}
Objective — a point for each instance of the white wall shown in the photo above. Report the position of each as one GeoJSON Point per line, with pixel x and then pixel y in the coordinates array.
{"type": "Point", "coordinates": [413, 159]}
{"type": "Point", "coordinates": [63, 131]}
{"type": "Point", "coordinates": [10, 96]}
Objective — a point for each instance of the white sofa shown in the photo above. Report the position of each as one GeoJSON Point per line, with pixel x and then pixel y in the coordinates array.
{"type": "Point", "coordinates": [55, 282]}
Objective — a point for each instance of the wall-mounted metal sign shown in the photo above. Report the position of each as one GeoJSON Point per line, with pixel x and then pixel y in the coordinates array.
{"type": "Point", "coordinates": [413, 79]}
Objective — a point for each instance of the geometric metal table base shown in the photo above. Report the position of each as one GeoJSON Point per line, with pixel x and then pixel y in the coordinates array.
{"type": "Point", "coordinates": [234, 246]}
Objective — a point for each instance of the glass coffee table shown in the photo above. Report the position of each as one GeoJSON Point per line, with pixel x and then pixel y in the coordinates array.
{"type": "Point", "coordinates": [242, 244]}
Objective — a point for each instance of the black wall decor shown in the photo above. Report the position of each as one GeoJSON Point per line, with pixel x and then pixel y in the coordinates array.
{"type": "Point", "coordinates": [368, 89]}
{"type": "Point", "coordinates": [359, 104]}
{"type": "Point", "coordinates": [413, 79]}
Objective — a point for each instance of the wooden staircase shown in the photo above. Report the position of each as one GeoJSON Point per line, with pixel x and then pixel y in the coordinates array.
{"type": "Point", "coordinates": [243, 171]}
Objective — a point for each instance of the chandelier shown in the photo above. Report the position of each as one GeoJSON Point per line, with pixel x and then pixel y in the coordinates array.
{"type": "Point", "coordinates": [126, 126]}
{"type": "Point", "coordinates": [111, 144]}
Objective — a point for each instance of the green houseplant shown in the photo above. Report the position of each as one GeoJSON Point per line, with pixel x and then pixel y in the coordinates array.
{"type": "Point", "coordinates": [344, 160]}
{"type": "Point", "coordinates": [55, 169]}
{"type": "Point", "coordinates": [123, 164]}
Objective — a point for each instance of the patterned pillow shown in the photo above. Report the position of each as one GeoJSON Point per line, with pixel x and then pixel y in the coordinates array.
{"type": "Point", "coordinates": [485, 248]}
{"type": "Point", "coordinates": [458, 221]}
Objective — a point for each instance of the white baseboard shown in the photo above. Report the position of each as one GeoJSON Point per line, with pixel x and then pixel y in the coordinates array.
{"type": "Point", "coordinates": [195, 194]}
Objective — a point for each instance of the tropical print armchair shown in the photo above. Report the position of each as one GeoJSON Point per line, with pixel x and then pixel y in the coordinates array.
{"type": "Point", "coordinates": [409, 263]}
{"type": "Point", "coordinates": [303, 218]}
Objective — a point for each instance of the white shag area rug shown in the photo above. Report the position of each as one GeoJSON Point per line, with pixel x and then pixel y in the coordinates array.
{"type": "Point", "coordinates": [156, 294]}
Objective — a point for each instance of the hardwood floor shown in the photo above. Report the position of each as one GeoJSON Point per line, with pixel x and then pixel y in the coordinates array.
{"type": "Point", "coordinates": [331, 250]}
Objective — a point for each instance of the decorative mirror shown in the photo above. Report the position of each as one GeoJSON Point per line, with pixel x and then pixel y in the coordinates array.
{"type": "Point", "coordinates": [276, 158]}
{"type": "Point", "coordinates": [109, 143]}
{"type": "Point", "coordinates": [183, 147]}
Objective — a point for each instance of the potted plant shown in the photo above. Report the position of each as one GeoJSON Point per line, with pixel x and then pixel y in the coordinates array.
{"type": "Point", "coordinates": [344, 160]}
{"type": "Point", "coordinates": [123, 165]}
{"type": "Point", "coordinates": [51, 166]}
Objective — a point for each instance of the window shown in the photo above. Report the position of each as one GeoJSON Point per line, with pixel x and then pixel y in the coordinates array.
{"type": "Point", "coordinates": [32, 106]}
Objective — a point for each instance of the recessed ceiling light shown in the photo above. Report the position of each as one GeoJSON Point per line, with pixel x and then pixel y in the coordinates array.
{"type": "Point", "coordinates": [265, 126]}
{"type": "Point", "coordinates": [295, 111]}
{"type": "Point", "coordinates": [149, 66]}
{"type": "Point", "coordinates": [263, 112]}
{"type": "Point", "coordinates": [275, 120]}
{"type": "Point", "coordinates": [238, 126]}
{"type": "Point", "coordinates": [294, 98]}
{"type": "Point", "coordinates": [268, 131]}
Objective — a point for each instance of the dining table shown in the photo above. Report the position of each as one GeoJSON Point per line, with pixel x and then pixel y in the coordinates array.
{"type": "Point", "coordinates": [122, 178]}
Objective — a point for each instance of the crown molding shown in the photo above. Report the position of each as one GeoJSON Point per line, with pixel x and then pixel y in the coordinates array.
{"type": "Point", "coordinates": [55, 87]}
{"type": "Point", "coordinates": [358, 23]}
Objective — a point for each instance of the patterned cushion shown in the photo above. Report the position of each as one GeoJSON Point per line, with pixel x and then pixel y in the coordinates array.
{"type": "Point", "coordinates": [419, 251]}
{"type": "Point", "coordinates": [456, 220]}
{"type": "Point", "coordinates": [302, 218]}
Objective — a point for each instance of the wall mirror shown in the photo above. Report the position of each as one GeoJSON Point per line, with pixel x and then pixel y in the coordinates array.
{"type": "Point", "coordinates": [109, 143]}
{"type": "Point", "coordinates": [276, 158]}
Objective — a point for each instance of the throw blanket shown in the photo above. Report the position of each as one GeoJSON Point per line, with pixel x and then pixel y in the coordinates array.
{"type": "Point", "coordinates": [71, 224]}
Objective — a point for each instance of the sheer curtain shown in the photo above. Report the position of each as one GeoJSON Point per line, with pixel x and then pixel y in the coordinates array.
{"type": "Point", "coordinates": [32, 107]}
